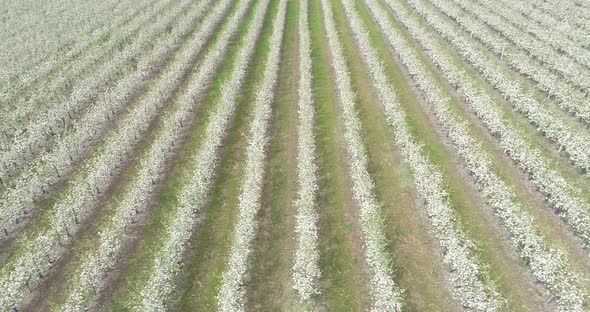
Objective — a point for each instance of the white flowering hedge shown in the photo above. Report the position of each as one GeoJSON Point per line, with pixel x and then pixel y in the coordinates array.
{"type": "Point", "coordinates": [232, 295]}
{"type": "Point", "coordinates": [563, 196]}
{"type": "Point", "coordinates": [40, 251]}
{"type": "Point", "coordinates": [387, 296]}
{"type": "Point", "coordinates": [569, 98]}
{"type": "Point", "coordinates": [567, 12]}
{"type": "Point", "coordinates": [77, 108]}
{"type": "Point", "coordinates": [56, 82]}
{"type": "Point", "coordinates": [306, 270]}
{"type": "Point", "coordinates": [547, 263]}
{"type": "Point", "coordinates": [17, 200]}
{"type": "Point", "coordinates": [465, 271]}
{"type": "Point", "coordinates": [192, 197]}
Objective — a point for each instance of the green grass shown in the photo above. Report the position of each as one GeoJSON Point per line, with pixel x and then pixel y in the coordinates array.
{"type": "Point", "coordinates": [336, 256]}
{"type": "Point", "coordinates": [270, 287]}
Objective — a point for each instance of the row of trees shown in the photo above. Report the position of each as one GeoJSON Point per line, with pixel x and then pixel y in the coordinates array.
{"type": "Point", "coordinates": [306, 271]}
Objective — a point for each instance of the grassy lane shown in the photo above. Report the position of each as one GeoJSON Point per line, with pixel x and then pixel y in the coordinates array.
{"type": "Point", "coordinates": [418, 265]}
{"type": "Point", "coordinates": [207, 257]}
{"type": "Point", "coordinates": [494, 250]}
{"type": "Point", "coordinates": [270, 288]}
{"type": "Point", "coordinates": [342, 285]}
{"type": "Point", "coordinates": [140, 261]}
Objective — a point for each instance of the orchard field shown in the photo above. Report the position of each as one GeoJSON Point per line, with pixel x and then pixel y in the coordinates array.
{"type": "Point", "coordinates": [295, 155]}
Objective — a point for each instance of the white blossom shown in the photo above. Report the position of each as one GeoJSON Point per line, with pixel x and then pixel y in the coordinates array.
{"type": "Point", "coordinates": [575, 143]}
{"type": "Point", "coordinates": [515, 12]}
{"type": "Point", "coordinates": [46, 108]}
{"type": "Point", "coordinates": [473, 292]}
{"type": "Point", "coordinates": [561, 194]}
{"type": "Point", "coordinates": [101, 260]}
{"type": "Point", "coordinates": [306, 271]}
{"type": "Point", "coordinates": [47, 36]}
{"type": "Point", "coordinates": [573, 13]}
{"type": "Point", "coordinates": [47, 169]}
{"type": "Point", "coordinates": [569, 98]}
{"type": "Point", "coordinates": [558, 62]}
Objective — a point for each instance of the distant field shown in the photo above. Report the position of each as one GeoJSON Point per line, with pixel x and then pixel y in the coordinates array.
{"type": "Point", "coordinates": [295, 155]}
